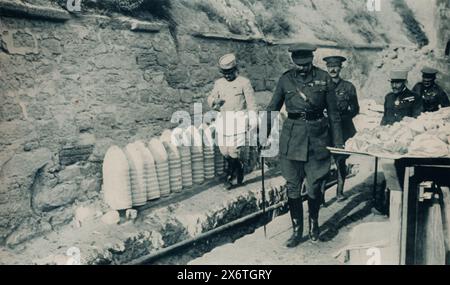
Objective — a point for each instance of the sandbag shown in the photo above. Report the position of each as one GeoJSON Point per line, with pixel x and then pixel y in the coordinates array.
{"type": "Point", "coordinates": [425, 136]}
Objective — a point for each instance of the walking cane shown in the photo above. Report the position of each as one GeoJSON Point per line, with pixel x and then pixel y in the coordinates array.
{"type": "Point", "coordinates": [263, 193]}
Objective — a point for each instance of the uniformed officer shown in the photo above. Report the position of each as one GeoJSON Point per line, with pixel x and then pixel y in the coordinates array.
{"type": "Point", "coordinates": [231, 94]}
{"type": "Point", "coordinates": [347, 102]}
{"type": "Point", "coordinates": [306, 91]}
{"type": "Point", "coordinates": [401, 102]}
{"type": "Point", "coordinates": [433, 96]}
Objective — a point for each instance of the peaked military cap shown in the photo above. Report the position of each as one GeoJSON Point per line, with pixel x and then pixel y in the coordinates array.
{"type": "Point", "coordinates": [428, 72]}
{"type": "Point", "coordinates": [334, 60]}
{"type": "Point", "coordinates": [399, 74]}
{"type": "Point", "coordinates": [302, 53]}
{"type": "Point", "coordinates": [227, 61]}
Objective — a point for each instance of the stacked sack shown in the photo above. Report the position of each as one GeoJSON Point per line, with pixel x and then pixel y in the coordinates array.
{"type": "Point", "coordinates": [426, 136]}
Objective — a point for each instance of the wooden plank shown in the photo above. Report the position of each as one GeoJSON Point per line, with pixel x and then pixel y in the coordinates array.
{"type": "Point", "coordinates": [434, 236]}
{"type": "Point", "coordinates": [445, 208]}
{"type": "Point", "coordinates": [430, 245]}
{"type": "Point", "coordinates": [134, 25]}
{"type": "Point", "coordinates": [390, 174]}
{"type": "Point", "coordinates": [334, 45]}
{"type": "Point", "coordinates": [350, 152]}
{"type": "Point", "coordinates": [417, 160]}
{"type": "Point", "coordinates": [229, 37]}
{"type": "Point", "coordinates": [395, 217]}
{"type": "Point", "coordinates": [404, 224]}
{"type": "Point", "coordinates": [420, 233]}
{"type": "Point", "coordinates": [395, 206]}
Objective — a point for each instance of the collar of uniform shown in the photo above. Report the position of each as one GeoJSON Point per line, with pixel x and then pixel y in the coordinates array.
{"type": "Point", "coordinates": [310, 77]}
{"type": "Point", "coordinates": [336, 84]}
{"type": "Point", "coordinates": [431, 88]}
{"type": "Point", "coordinates": [404, 93]}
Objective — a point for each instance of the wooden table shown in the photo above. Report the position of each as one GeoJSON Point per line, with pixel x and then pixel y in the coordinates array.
{"type": "Point", "coordinates": [419, 235]}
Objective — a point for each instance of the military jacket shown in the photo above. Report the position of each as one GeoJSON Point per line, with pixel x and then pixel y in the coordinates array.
{"type": "Point", "coordinates": [433, 98]}
{"type": "Point", "coordinates": [300, 138]}
{"type": "Point", "coordinates": [398, 106]}
{"type": "Point", "coordinates": [347, 102]}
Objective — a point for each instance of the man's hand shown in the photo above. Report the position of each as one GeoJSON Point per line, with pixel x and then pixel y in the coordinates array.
{"type": "Point", "coordinates": [217, 104]}
{"type": "Point", "coordinates": [264, 145]}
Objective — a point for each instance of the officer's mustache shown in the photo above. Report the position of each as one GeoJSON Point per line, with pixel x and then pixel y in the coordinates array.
{"type": "Point", "coordinates": [333, 71]}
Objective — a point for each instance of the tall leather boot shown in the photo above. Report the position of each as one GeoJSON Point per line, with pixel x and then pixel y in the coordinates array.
{"type": "Point", "coordinates": [229, 173]}
{"type": "Point", "coordinates": [296, 212]}
{"type": "Point", "coordinates": [341, 174]}
{"type": "Point", "coordinates": [313, 220]}
{"type": "Point", "coordinates": [239, 172]}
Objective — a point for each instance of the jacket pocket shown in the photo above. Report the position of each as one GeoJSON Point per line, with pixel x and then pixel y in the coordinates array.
{"type": "Point", "coordinates": [317, 128]}
{"type": "Point", "coordinates": [285, 137]}
{"type": "Point", "coordinates": [319, 145]}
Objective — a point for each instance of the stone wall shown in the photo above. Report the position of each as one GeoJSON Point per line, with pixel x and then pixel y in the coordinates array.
{"type": "Point", "coordinates": [71, 89]}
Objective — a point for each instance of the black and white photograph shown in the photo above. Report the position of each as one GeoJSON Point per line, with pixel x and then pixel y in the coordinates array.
{"type": "Point", "coordinates": [221, 133]}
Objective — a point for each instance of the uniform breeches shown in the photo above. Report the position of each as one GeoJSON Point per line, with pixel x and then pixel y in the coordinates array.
{"type": "Point", "coordinates": [294, 172]}
{"type": "Point", "coordinates": [233, 146]}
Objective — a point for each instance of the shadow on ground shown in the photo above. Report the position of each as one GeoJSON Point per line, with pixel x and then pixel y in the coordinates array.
{"type": "Point", "coordinates": [359, 197]}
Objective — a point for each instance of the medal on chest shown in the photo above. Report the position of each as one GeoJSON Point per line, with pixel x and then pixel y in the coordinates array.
{"type": "Point", "coordinates": [429, 95]}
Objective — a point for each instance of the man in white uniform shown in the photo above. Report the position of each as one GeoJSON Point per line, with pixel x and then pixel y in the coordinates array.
{"type": "Point", "coordinates": [232, 96]}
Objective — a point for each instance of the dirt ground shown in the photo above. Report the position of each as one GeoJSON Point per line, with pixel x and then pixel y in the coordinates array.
{"type": "Point", "coordinates": [336, 221]}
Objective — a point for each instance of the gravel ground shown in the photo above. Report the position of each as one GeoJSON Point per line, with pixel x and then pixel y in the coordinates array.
{"type": "Point", "coordinates": [336, 221]}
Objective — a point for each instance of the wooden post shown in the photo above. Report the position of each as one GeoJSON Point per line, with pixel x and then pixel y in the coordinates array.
{"type": "Point", "coordinates": [375, 181]}
{"type": "Point", "coordinates": [431, 237]}
{"type": "Point", "coordinates": [407, 187]}
{"type": "Point", "coordinates": [395, 208]}
{"type": "Point", "coordinates": [446, 216]}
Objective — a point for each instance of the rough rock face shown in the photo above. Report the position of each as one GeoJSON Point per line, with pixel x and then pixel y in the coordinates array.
{"type": "Point", "coordinates": [18, 176]}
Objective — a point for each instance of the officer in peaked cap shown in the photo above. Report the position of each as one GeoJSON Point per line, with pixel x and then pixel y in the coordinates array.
{"type": "Point", "coordinates": [434, 97]}
{"type": "Point", "coordinates": [347, 102]}
{"type": "Point", "coordinates": [307, 91]}
{"type": "Point", "coordinates": [401, 102]}
{"type": "Point", "coordinates": [231, 94]}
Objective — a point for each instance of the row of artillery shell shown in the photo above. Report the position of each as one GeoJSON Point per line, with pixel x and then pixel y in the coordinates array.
{"type": "Point", "coordinates": [140, 173]}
